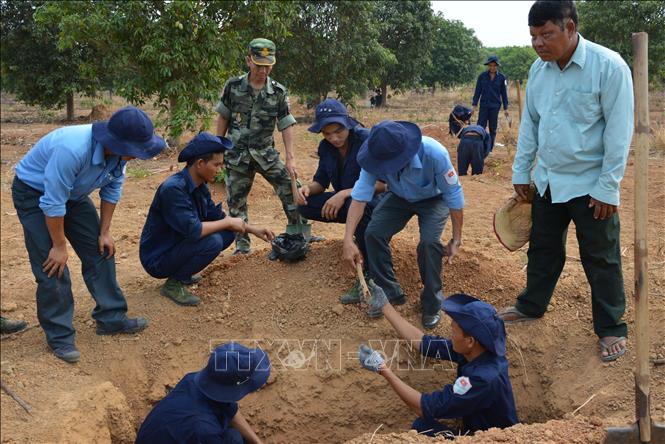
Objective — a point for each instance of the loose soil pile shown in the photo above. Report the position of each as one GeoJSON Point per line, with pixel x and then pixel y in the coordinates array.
{"type": "Point", "coordinates": [318, 392]}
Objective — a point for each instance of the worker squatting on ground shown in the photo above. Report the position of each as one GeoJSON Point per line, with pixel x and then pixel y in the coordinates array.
{"type": "Point", "coordinates": [578, 123]}
{"type": "Point", "coordinates": [482, 395]}
{"type": "Point", "coordinates": [203, 406]}
{"type": "Point", "coordinates": [249, 108]}
{"type": "Point", "coordinates": [421, 181]}
{"type": "Point", "coordinates": [50, 193]}
{"type": "Point", "coordinates": [474, 146]}
{"type": "Point", "coordinates": [185, 231]}
{"type": "Point", "coordinates": [491, 91]}
{"type": "Point", "coordinates": [338, 166]}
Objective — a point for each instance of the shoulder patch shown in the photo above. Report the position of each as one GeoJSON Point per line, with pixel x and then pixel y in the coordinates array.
{"type": "Point", "coordinates": [462, 385]}
{"type": "Point", "coordinates": [451, 176]}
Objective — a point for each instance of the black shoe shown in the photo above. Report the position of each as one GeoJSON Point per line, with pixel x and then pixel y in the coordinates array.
{"type": "Point", "coordinates": [130, 325]}
{"type": "Point", "coordinates": [238, 252]}
{"type": "Point", "coordinates": [430, 321]}
{"type": "Point", "coordinates": [8, 326]}
{"type": "Point", "coordinates": [315, 238]}
{"type": "Point", "coordinates": [401, 300]}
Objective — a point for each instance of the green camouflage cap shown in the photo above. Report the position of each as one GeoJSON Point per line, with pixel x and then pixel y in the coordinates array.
{"type": "Point", "coordinates": [262, 52]}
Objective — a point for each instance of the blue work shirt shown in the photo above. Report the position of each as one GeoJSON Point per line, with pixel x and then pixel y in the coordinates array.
{"type": "Point", "coordinates": [68, 164]}
{"type": "Point", "coordinates": [484, 138]}
{"type": "Point", "coordinates": [429, 174]}
{"type": "Point", "coordinates": [482, 394]}
{"type": "Point", "coordinates": [186, 416]}
{"type": "Point", "coordinates": [577, 125]}
{"type": "Point", "coordinates": [491, 92]}
{"type": "Point", "coordinates": [342, 173]}
{"type": "Point", "coordinates": [176, 214]}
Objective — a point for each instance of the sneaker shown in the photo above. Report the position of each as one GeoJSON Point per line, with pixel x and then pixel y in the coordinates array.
{"type": "Point", "coordinates": [430, 321]}
{"type": "Point", "coordinates": [353, 295]}
{"type": "Point", "coordinates": [179, 293]}
{"type": "Point", "coordinates": [193, 279]}
{"type": "Point", "coordinates": [130, 325]}
{"type": "Point", "coordinates": [67, 353]}
{"type": "Point", "coordinates": [11, 326]}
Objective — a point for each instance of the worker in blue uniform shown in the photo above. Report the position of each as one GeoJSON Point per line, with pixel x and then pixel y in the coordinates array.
{"type": "Point", "coordinates": [474, 146]}
{"type": "Point", "coordinates": [203, 407]}
{"type": "Point", "coordinates": [482, 395]}
{"type": "Point", "coordinates": [338, 167]}
{"type": "Point", "coordinates": [185, 231]}
{"type": "Point", "coordinates": [491, 91]}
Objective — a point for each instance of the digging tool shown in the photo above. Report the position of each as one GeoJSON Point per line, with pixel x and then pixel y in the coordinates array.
{"type": "Point", "coordinates": [644, 430]}
{"type": "Point", "coordinates": [363, 284]}
{"type": "Point", "coordinates": [299, 228]}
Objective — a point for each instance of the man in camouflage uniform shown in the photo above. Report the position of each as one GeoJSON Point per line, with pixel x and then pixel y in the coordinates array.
{"type": "Point", "coordinates": [248, 109]}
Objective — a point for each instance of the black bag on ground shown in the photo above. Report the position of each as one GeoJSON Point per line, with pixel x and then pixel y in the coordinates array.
{"type": "Point", "coordinates": [289, 247]}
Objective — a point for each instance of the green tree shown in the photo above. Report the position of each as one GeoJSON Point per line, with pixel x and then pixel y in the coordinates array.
{"type": "Point", "coordinates": [176, 54]}
{"type": "Point", "coordinates": [515, 60]}
{"type": "Point", "coordinates": [34, 67]}
{"type": "Point", "coordinates": [455, 54]}
{"type": "Point", "coordinates": [332, 46]}
{"type": "Point", "coordinates": [611, 24]}
{"type": "Point", "coordinates": [406, 29]}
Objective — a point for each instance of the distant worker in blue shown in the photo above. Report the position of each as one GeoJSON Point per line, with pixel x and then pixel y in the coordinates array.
{"type": "Point", "coordinates": [203, 407]}
{"type": "Point", "coordinates": [338, 166]}
{"type": "Point", "coordinates": [421, 181]}
{"type": "Point", "coordinates": [185, 231]}
{"type": "Point", "coordinates": [491, 91]}
{"type": "Point", "coordinates": [50, 193]}
{"type": "Point", "coordinates": [474, 146]}
{"type": "Point", "coordinates": [482, 395]}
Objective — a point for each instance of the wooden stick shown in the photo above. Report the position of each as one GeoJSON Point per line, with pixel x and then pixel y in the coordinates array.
{"type": "Point", "coordinates": [641, 76]}
{"type": "Point", "coordinates": [585, 403]}
{"type": "Point", "coordinates": [16, 397]}
{"type": "Point", "coordinates": [363, 284]}
{"type": "Point", "coordinates": [518, 83]}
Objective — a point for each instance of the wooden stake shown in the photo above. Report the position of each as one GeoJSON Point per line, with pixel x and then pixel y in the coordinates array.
{"type": "Point", "coordinates": [518, 84]}
{"type": "Point", "coordinates": [641, 86]}
{"type": "Point", "coordinates": [16, 397]}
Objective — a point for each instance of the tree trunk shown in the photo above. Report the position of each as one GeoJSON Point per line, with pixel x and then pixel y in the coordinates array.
{"type": "Point", "coordinates": [174, 142]}
{"type": "Point", "coordinates": [384, 93]}
{"type": "Point", "coordinates": [70, 106]}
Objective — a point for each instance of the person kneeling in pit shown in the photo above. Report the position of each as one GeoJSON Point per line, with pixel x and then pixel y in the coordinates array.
{"type": "Point", "coordinates": [338, 166]}
{"type": "Point", "coordinates": [482, 395]}
{"type": "Point", "coordinates": [203, 407]}
{"type": "Point", "coordinates": [185, 231]}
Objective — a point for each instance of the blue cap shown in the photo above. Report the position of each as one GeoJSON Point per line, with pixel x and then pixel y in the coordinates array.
{"type": "Point", "coordinates": [491, 59]}
{"type": "Point", "coordinates": [478, 319]}
{"type": "Point", "coordinates": [204, 143]}
{"type": "Point", "coordinates": [331, 111]}
{"type": "Point", "coordinates": [232, 372]}
{"type": "Point", "coordinates": [389, 147]}
{"type": "Point", "coordinates": [129, 132]}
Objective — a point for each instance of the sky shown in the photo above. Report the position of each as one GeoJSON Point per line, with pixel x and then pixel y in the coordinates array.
{"type": "Point", "coordinates": [496, 23]}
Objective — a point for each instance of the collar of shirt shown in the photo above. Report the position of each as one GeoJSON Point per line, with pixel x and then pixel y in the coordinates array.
{"type": "Point", "coordinates": [578, 57]}
{"type": "Point", "coordinates": [244, 84]}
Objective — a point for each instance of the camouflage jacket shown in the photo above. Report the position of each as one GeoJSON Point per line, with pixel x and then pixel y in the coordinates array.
{"type": "Point", "coordinates": [252, 119]}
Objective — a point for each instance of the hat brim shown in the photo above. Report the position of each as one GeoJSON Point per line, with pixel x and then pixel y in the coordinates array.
{"type": "Point", "coordinates": [376, 166]}
{"type": "Point", "coordinates": [233, 393]}
{"type": "Point", "coordinates": [346, 121]}
{"type": "Point", "coordinates": [492, 61]}
{"type": "Point", "coordinates": [511, 237]}
{"type": "Point", "coordinates": [140, 150]}
{"type": "Point", "coordinates": [263, 61]}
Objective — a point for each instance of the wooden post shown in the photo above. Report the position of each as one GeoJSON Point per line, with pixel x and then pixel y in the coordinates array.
{"type": "Point", "coordinates": [641, 86]}
{"type": "Point", "coordinates": [518, 84]}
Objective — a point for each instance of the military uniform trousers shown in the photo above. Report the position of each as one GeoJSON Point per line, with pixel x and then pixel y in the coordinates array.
{"type": "Point", "coordinates": [600, 254]}
{"type": "Point", "coordinates": [389, 218]}
{"type": "Point", "coordinates": [55, 302]}
{"type": "Point", "coordinates": [239, 180]}
{"type": "Point", "coordinates": [489, 115]}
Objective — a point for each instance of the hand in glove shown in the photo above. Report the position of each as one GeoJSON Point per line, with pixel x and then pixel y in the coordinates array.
{"type": "Point", "coordinates": [370, 359]}
{"type": "Point", "coordinates": [377, 300]}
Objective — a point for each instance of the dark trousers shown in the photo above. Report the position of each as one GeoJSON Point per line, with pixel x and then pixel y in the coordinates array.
{"type": "Point", "coordinates": [600, 254]}
{"type": "Point", "coordinates": [389, 217]}
{"type": "Point", "coordinates": [55, 303]}
{"type": "Point", "coordinates": [429, 427]}
{"type": "Point", "coordinates": [188, 258]}
{"type": "Point", "coordinates": [470, 151]}
{"type": "Point", "coordinates": [312, 211]}
{"type": "Point", "coordinates": [489, 115]}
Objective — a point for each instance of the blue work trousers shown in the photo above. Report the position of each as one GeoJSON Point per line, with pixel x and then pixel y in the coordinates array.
{"type": "Point", "coordinates": [189, 257]}
{"type": "Point", "coordinates": [431, 427]}
{"type": "Point", "coordinates": [312, 211]}
{"type": "Point", "coordinates": [55, 302]}
{"type": "Point", "coordinates": [389, 218]}
{"type": "Point", "coordinates": [489, 115]}
{"type": "Point", "coordinates": [470, 151]}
